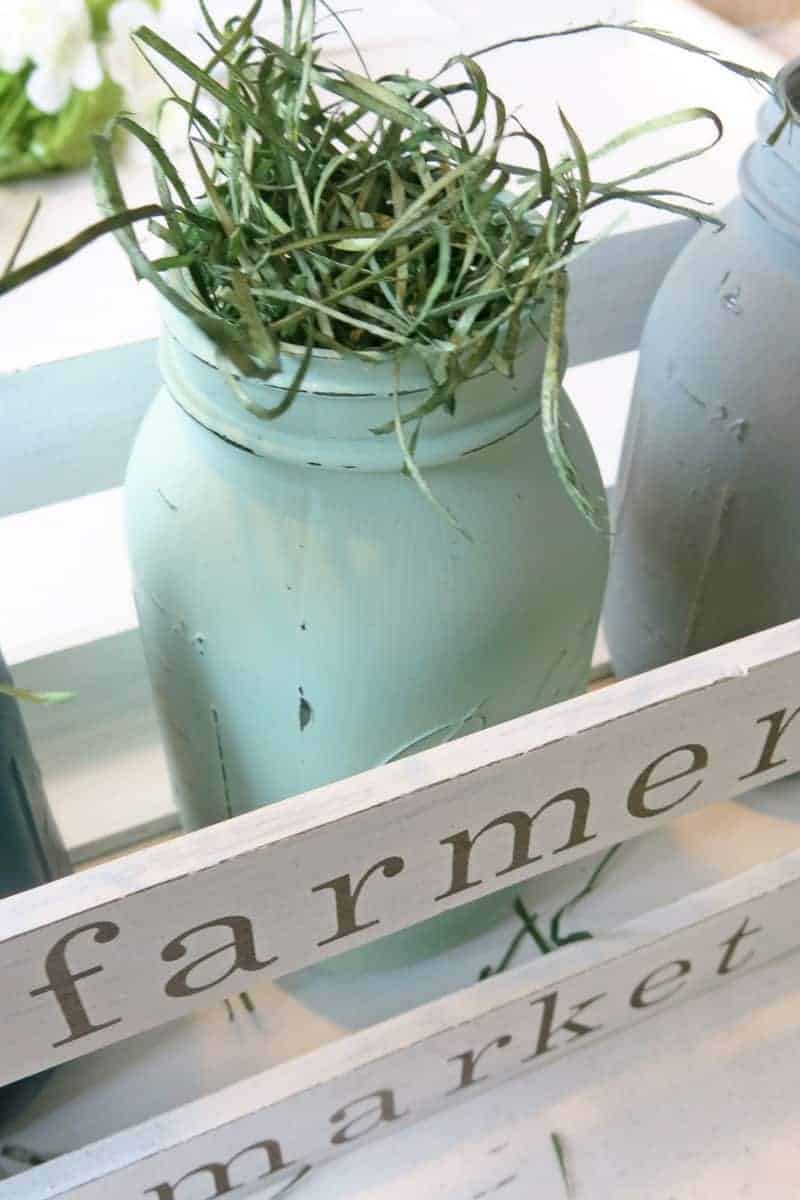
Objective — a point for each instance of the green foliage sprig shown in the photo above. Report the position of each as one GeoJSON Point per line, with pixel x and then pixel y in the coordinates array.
{"type": "Point", "coordinates": [15, 693]}
{"type": "Point", "coordinates": [32, 142]}
{"type": "Point", "coordinates": [366, 216]}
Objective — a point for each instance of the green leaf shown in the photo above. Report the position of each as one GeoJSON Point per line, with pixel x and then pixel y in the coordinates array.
{"type": "Point", "coordinates": [551, 404]}
{"type": "Point", "coordinates": [580, 157]}
{"type": "Point", "coordinates": [357, 215]}
{"type": "Point", "coordinates": [479, 86]}
{"type": "Point", "coordinates": [683, 116]}
{"type": "Point", "coordinates": [15, 693]}
{"type": "Point", "coordinates": [556, 936]}
{"type": "Point", "coordinates": [375, 97]}
{"type": "Point", "coordinates": [413, 470]}
{"type": "Point", "coordinates": [33, 143]}
{"type": "Point", "coordinates": [560, 1152]}
{"type": "Point", "coordinates": [670, 39]}
{"type": "Point", "coordinates": [205, 81]}
{"type": "Point", "coordinates": [111, 200]}
{"type": "Point", "coordinates": [24, 233]}
{"type": "Point", "coordinates": [122, 220]}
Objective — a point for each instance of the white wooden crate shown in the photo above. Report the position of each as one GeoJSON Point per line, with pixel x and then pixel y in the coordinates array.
{"type": "Point", "coordinates": [625, 760]}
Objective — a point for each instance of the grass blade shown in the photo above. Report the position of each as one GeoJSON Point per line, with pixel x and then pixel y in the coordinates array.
{"type": "Point", "coordinates": [551, 397]}
{"type": "Point", "coordinates": [15, 693]}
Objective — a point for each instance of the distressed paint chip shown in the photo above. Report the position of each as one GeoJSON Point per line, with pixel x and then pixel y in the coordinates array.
{"type": "Point", "coordinates": [306, 712]}
{"type": "Point", "coordinates": [223, 770]}
{"type": "Point", "coordinates": [731, 301]}
{"type": "Point", "coordinates": [169, 503]}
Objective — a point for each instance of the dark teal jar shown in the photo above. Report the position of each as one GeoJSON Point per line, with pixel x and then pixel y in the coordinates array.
{"type": "Point", "coordinates": [31, 851]}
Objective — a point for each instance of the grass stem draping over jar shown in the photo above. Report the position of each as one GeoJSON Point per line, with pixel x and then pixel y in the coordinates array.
{"type": "Point", "coordinates": [366, 216]}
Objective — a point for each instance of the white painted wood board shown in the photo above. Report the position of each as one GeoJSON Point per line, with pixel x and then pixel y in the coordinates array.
{"type": "Point", "coordinates": [565, 778]}
{"type": "Point", "coordinates": [696, 1104]}
{"type": "Point", "coordinates": [598, 1099]}
{"type": "Point", "coordinates": [281, 1123]}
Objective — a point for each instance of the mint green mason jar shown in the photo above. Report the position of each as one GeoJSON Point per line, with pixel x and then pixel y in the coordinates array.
{"type": "Point", "coordinates": [306, 613]}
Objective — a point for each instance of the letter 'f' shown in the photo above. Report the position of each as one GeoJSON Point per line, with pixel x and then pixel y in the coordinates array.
{"type": "Point", "coordinates": [61, 982]}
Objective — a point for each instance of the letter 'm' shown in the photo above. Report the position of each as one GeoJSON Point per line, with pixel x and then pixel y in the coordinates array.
{"type": "Point", "coordinates": [220, 1173]}
{"type": "Point", "coordinates": [521, 826]}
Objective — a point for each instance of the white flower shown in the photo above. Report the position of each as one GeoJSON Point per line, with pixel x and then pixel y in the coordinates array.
{"type": "Point", "coordinates": [145, 88]}
{"type": "Point", "coordinates": [124, 62]}
{"type": "Point", "coordinates": [56, 36]}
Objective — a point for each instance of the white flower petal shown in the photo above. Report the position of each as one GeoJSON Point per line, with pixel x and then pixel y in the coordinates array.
{"type": "Point", "coordinates": [123, 59]}
{"type": "Point", "coordinates": [48, 90]}
{"type": "Point", "coordinates": [12, 59]}
{"type": "Point", "coordinates": [87, 73]}
{"type": "Point", "coordinates": [127, 15]}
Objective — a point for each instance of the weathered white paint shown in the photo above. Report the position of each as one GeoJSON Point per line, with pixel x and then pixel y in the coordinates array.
{"type": "Point", "coordinates": [439, 1054]}
{"type": "Point", "coordinates": [270, 866]}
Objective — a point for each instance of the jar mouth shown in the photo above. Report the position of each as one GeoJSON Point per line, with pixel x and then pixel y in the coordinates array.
{"type": "Point", "coordinates": [409, 370]}
{"type": "Point", "coordinates": [343, 417]}
{"type": "Point", "coordinates": [330, 372]}
{"type": "Point", "coordinates": [294, 353]}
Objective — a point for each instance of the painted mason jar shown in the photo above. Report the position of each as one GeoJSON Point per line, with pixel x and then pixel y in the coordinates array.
{"type": "Point", "coordinates": [707, 532]}
{"type": "Point", "coordinates": [31, 852]}
{"type": "Point", "coordinates": [306, 613]}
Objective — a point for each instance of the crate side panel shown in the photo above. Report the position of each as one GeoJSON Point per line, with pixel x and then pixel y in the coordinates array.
{"type": "Point", "coordinates": [164, 931]}
{"type": "Point", "coordinates": [372, 1083]}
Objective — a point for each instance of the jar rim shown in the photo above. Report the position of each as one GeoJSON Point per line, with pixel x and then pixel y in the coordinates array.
{"type": "Point", "coordinates": [407, 369]}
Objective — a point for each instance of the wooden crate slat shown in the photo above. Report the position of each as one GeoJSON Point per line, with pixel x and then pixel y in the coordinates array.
{"type": "Point", "coordinates": [101, 755]}
{"type": "Point", "coordinates": [68, 426]}
{"type": "Point", "coordinates": [273, 1126]}
{"type": "Point", "coordinates": [90, 960]}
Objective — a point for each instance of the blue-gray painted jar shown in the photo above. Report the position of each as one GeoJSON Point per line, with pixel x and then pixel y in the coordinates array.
{"type": "Point", "coordinates": [707, 530]}
{"type": "Point", "coordinates": [306, 613]}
